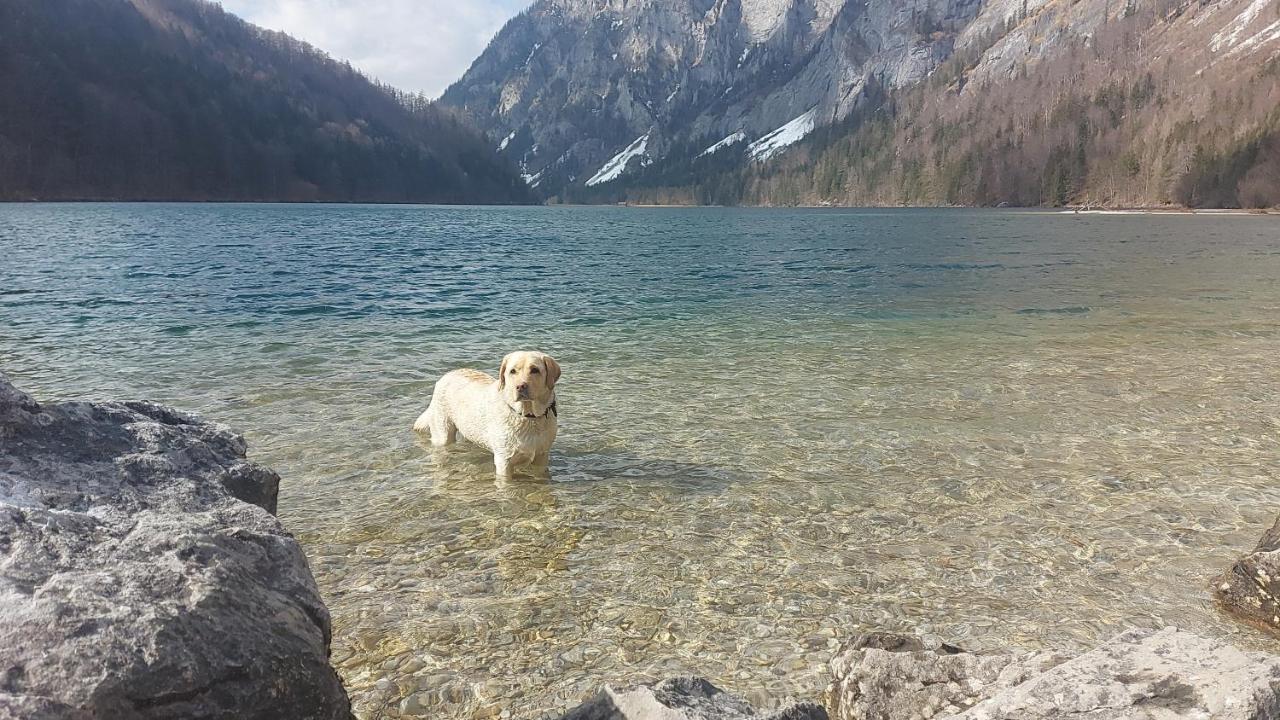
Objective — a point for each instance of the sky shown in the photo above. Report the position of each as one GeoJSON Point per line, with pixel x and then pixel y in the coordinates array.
{"type": "Point", "coordinates": [414, 45]}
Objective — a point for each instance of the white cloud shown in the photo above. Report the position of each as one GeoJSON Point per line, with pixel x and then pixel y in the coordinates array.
{"type": "Point", "coordinates": [415, 45]}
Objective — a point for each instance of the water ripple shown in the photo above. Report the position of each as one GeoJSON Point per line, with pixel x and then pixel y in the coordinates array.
{"type": "Point", "coordinates": [778, 427]}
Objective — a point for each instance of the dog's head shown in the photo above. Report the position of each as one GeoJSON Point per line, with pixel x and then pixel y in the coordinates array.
{"type": "Point", "coordinates": [528, 377]}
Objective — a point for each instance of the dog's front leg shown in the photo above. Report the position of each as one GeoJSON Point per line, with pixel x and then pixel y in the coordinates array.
{"type": "Point", "coordinates": [502, 465]}
{"type": "Point", "coordinates": [540, 465]}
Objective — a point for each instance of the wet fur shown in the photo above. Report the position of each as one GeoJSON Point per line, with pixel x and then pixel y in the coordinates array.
{"type": "Point", "coordinates": [492, 412]}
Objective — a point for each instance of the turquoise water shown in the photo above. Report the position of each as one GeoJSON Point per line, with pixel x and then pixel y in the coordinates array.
{"type": "Point", "coordinates": [777, 427]}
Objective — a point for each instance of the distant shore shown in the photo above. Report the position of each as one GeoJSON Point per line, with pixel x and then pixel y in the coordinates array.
{"type": "Point", "coordinates": [1167, 211]}
{"type": "Point", "coordinates": [1067, 210]}
{"type": "Point", "coordinates": [1063, 210]}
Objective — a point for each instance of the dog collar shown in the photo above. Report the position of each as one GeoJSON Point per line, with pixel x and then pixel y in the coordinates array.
{"type": "Point", "coordinates": [551, 410]}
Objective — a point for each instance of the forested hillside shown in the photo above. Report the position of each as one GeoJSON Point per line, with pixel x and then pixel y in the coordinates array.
{"type": "Point", "coordinates": [1168, 102]}
{"type": "Point", "coordinates": [177, 99]}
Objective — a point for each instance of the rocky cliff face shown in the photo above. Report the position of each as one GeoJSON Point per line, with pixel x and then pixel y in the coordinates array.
{"type": "Point", "coordinates": [1026, 102]}
{"type": "Point", "coordinates": [142, 574]}
{"type": "Point", "coordinates": [571, 86]}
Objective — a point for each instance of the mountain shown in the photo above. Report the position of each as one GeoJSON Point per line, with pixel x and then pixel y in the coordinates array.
{"type": "Point", "coordinates": [177, 99]}
{"type": "Point", "coordinates": [570, 85]}
{"type": "Point", "coordinates": [1092, 103]}
{"type": "Point", "coordinates": [1025, 102]}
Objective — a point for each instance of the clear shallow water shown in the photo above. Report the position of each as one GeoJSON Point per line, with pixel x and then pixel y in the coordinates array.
{"type": "Point", "coordinates": [777, 427]}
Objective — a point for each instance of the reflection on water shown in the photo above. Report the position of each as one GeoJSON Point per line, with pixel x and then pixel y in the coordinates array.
{"type": "Point", "coordinates": [777, 428]}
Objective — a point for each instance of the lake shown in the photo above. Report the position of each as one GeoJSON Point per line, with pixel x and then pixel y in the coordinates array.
{"type": "Point", "coordinates": [778, 427]}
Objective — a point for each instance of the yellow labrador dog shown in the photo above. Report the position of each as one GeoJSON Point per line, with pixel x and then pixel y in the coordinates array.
{"type": "Point", "coordinates": [513, 416]}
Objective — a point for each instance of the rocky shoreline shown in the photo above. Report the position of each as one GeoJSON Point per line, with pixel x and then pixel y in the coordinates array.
{"type": "Point", "coordinates": [143, 574]}
{"type": "Point", "coordinates": [1160, 675]}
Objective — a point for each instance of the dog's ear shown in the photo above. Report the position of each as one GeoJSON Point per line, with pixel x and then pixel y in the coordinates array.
{"type": "Point", "coordinates": [502, 372]}
{"type": "Point", "coordinates": [553, 370]}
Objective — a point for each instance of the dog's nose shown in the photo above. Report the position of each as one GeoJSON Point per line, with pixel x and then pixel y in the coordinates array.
{"type": "Point", "coordinates": [522, 387]}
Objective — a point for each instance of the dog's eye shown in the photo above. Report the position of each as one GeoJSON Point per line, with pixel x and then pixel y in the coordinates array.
{"type": "Point", "coordinates": [534, 371]}
{"type": "Point", "coordinates": [512, 371]}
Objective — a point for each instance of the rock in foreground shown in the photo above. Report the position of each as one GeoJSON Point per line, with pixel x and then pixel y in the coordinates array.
{"type": "Point", "coordinates": [142, 573]}
{"type": "Point", "coordinates": [1250, 588]}
{"type": "Point", "coordinates": [883, 676]}
{"type": "Point", "coordinates": [1164, 675]}
{"type": "Point", "coordinates": [682, 698]}
{"type": "Point", "coordinates": [1145, 674]}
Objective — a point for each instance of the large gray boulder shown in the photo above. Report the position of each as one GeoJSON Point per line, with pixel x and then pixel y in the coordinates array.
{"type": "Point", "coordinates": [682, 698]}
{"type": "Point", "coordinates": [884, 676]}
{"type": "Point", "coordinates": [143, 575]}
{"type": "Point", "coordinates": [1248, 590]}
{"type": "Point", "coordinates": [1140, 674]}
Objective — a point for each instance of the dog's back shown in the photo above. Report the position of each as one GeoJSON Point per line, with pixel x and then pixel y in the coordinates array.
{"type": "Point", "coordinates": [464, 377]}
{"type": "Point", "coordinates": [459, 398]}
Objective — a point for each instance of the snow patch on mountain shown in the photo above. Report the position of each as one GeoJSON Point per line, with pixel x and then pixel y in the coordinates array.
{"type": "Point", "coordinates": [731, 140]}
{"type": "Point", "coordinates": [615, 167]}
{"type": "Point", "coordinates": [1268, 33]}
{"type": "Point", "coordinates": [785, 136]}
{"type": "Point", "coordinates": [1230, 35]}
{"type": "Point", "coordinates": [506, 141]}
